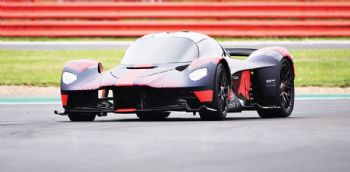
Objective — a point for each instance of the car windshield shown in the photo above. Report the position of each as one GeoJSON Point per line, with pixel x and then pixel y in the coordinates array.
{"type": "Point", "coordinates": [160, 50]}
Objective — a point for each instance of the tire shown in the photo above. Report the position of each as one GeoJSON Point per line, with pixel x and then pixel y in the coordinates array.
{"type": "Point", "coordinates": [286, 94]}
{"type": "Point", "coordinates": [152, 116]}
{"type": "Point", "coordinates": [82, 116]}
{"type": "Point", "coordinates": [220, 96]}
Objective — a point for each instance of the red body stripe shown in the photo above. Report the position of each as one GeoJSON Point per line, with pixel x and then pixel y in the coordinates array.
{"type": "Point", "coordinates": [125, 110]}
{"type": "Point", "coordinates": [104, 93]}
{"type": "Point", "coordinates": [129, 78]}
{"type": "Point", "coordinates": [201, 61]}
{"type": "Point", "coordinates": [285, 54]}
{"type": "Point", "coordinates": [204, 95]}
{"type": "Point", "coordinates": [142, 65]}
{"type": "Point", "coordinates": [80, 65]}
{"type": "Point", "coordinates": [230, 96]}
{"type": "Point", "coordinates": [244, 85]}
{"type": "Point", "coordinates": [64, 99]}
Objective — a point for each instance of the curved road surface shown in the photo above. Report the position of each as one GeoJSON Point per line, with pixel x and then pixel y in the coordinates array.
{"type": "Point", "coordinates": [315, 138]}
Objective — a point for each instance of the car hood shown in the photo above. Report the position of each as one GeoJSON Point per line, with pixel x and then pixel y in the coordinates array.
{"type": "Point", "coordinates": [141, 70]}
{"type": "Point", "coordinates": [150, 75]}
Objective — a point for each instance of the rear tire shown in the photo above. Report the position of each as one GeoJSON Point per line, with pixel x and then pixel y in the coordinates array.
{"type": "Point", "coordinates": [82, 116]}
{"type": "Point", "coordinates": [152, 116]}
{"type": "Point", "coordinates": [286, 94]}
{"type": "Point", "coordinates": [220, 96]}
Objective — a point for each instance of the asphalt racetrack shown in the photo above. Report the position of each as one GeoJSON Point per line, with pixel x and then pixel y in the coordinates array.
{"type": "Point", "coordinates": [315, 138]}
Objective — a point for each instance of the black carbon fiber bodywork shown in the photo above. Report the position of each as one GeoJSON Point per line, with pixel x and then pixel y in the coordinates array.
{"type": "Point", "coordinates": [167, 87]}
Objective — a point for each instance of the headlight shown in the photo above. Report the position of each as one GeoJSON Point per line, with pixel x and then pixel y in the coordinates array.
{"type": "Point", "coordinates": [68, 77]}
{"type": "Point", "coordinates": [198, 74]}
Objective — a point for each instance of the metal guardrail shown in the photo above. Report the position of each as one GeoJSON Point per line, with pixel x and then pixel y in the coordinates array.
{"type": "Point", "coordinates": [235, 19]}
{"type": "Point", "coordinates": [72, 45]}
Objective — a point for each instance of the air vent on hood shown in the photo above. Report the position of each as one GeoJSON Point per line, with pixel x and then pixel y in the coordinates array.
{"type": "Point", "coordinates": [181, 68]}
{"type": "Point", "coordinates": [141, 67]}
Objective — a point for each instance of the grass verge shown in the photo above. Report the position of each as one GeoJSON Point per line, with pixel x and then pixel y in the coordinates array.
{"type": "Point", "coordinates": [322, 67]}
{"type": "Point", "coordinates": [43, 68]}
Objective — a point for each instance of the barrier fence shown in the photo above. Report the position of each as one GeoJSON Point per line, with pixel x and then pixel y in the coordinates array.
{"type": "Point", "coordinates": [125, 19]}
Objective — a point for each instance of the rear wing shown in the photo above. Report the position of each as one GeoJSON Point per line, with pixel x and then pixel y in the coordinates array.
{"type": "Point", "coordinates": [240, 51]}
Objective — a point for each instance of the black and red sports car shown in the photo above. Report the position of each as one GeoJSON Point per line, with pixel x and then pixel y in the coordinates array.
{"type": "Point", "coordinates": [181, 71]}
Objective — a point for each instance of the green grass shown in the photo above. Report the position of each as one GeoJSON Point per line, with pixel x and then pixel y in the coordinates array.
{"type": "Point", "coordinates": [322, 67]}
{"type": "Point", "coordinates": [134, 38]}
{"type": "Point", "coordinates": [43, 68]}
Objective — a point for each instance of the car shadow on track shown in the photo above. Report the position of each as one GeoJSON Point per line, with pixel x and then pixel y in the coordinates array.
{"type": "Point", "coordinates": [179, 119]}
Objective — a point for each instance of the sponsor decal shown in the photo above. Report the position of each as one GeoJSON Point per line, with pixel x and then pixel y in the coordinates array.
{"type": "Point", "coordinates": [270, 83]}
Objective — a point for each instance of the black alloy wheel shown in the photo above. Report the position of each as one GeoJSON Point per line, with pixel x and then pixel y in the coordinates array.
{"type": "Point", "coordinates": [220, 96]}
{"type": "Point", "coordinates": [285, 98]}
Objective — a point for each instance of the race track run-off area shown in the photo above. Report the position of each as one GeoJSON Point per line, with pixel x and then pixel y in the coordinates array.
{"type": "Point", "coordinates": [315, 138]}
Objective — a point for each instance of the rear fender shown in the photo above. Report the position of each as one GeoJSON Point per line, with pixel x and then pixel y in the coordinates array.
{"type": "Point", "coordinates": [269, 56]}
{"type": "Point", "coordinates": [266, 75]}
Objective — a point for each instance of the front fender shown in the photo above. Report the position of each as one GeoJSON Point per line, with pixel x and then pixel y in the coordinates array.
{"type": "Point", "coordinates": [211, 65]}
{"type": "Point", "coordinates": [87, 72]}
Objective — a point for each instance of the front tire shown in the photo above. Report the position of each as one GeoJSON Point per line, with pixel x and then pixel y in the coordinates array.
{"type": "Point", "coordinates": [220, 96]}
{"type": "Point", "coordinates": [286, 94]}
{"type": "Point", "coordinates": [152, 116]}
{"type": "Point", "coordinates": [82, 116]}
